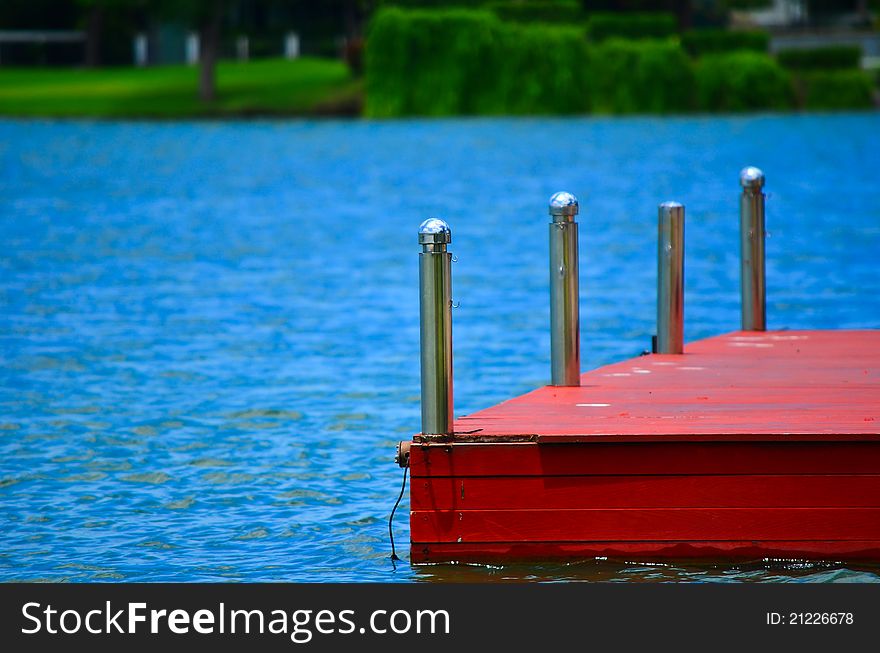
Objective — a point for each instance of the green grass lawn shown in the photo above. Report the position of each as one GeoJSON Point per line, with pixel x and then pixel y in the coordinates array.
{"type": "Point", "coordinates": [270, 87]}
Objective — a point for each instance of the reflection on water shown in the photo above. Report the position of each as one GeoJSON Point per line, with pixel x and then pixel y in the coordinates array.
{"type": "Point", "coordinates": [608, 571]}
{"type": "Point", "coordinates": [210, 331]}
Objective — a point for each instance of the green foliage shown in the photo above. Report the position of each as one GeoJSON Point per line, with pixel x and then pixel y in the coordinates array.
{"type": "Point", "coordinates": [452, 62]}
{"type": "Point", "coordinates": [832, 57]}
{"type": "Point", "coordinates": [560, 11]}
{"type": "Point", "coordinates": [654, 25]}
{"type": "Point", "coordinates": [641, 77]}
{"type": "Point", "coordinates": [701, 42]}
{"type": "Point", "coordinates": [837, 89]}
{"type": "Point", "coordinates": [461, 62]}
{"type": "Point", "coordinates": [423, 62]}
{"type": "Point", "coordinates": [542, 69]}
{"type": "Point", "coordinates": [740, 81]}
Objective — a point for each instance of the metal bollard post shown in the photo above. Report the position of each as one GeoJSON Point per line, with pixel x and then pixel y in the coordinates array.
{"type": "Point", "coordinates": [565, 347]}
{"type": "Point", "coordinates": [670, 278]}
{"type": "Point", "coordinates": [751, 227]}
{"type": "Point", "coordinates": [435, 308]}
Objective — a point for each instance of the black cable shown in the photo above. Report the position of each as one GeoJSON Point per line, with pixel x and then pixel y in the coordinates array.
{"type": "Point", "coordinates": [393, 510]}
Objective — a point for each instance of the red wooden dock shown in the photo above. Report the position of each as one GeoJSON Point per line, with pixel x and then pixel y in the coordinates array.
{"type": "Point", "coordinates": [749, 445]}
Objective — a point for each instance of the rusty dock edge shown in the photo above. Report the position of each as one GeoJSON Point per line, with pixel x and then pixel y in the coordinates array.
{"type": "Point", "coordinates": [749, 445]}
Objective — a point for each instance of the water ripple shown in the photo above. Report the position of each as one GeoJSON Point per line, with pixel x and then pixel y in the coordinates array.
{"type": "Point", "coordinates": [210, 333]}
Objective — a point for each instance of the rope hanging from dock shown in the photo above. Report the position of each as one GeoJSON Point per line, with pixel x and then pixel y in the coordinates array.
{"type": "Point", "coordinates": [394, 556]}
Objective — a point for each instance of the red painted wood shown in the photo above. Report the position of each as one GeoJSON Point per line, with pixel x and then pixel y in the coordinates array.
{"type": "Point", "coordinates": [554, 492]}
{"type": "Point", "coordinates": [749, 445]}
{"type": "Point", "coordinates": [772, 385]}
{"type": "Point", "coordinates": [640, 524]}
{"type": "Point", "coordinates": [731, 550]}
{"type": "Point", "coordinates": [674, 458]}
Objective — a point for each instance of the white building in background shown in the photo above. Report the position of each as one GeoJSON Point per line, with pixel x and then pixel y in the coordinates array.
{"type": "Point", "coordinates": [291, 45]}
{"type": "Point", "coordinates": [192, 48]}
{"type": "Point", "coordinates": [781, 13]}
{"type": "Point", "coordinates": [141, 51]}
{"type": "Point", "coordinates": [242, 48]}
{"type": "Point", "coordinates": [844, 29]}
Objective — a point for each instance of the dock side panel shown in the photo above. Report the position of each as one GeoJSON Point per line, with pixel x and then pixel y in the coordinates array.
{"type": "Point", "coordinates": [803, 499]}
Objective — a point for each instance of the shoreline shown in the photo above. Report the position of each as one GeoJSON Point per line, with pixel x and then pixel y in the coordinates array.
{"type": "Point", "coordinates": [316, 116]}
{"type": "Point", "coordinates": [268, 89]}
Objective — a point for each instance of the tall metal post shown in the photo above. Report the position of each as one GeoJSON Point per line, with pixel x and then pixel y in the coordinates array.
{"type": "Point", "coordinates": [751, 227]}
{"type": "Point", "coordinates": [565, 347]}
{"type": "Point", "coordinates": [670, 278]}
{"type": "Point", "coordinates": [435, 308]}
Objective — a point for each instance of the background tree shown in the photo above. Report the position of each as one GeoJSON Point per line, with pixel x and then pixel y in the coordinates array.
{"type": "Point", "coordinates": [94, 22]}
{"type": "Point", "coordinates": [206, 18]}
{"type": "Point", "coordinates": [210, 17]}
{"type": "Point", "coordinates": [101, 19]}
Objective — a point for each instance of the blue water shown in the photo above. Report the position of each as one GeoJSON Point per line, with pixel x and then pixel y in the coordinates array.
{"type": "Point", "coordinates": [209, 331]}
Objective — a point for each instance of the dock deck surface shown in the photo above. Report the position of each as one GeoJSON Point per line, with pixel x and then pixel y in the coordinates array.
{"type": "Point", "coordinates": [785, 385]}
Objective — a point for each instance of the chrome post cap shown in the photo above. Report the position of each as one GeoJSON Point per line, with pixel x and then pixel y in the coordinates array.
{"type": "Point", "coordinates": [434, 231]}
{"type": "Point", "coordinates": [751, 178]}
{"type": "Point", "coordinates": [563, 203]}
{"type": "Point", "coordinates": [671, 209]}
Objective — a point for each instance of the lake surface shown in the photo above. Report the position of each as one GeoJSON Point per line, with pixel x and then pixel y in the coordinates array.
{"type": "Point", "coordinates": [209, 331]}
